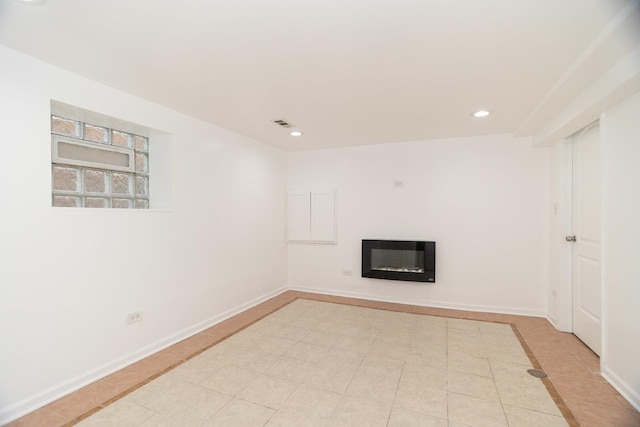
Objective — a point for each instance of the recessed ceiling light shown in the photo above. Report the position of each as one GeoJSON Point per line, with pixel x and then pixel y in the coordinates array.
{"type": "Point", "coordinates": [295, 133]}
{"type": "Point", "coordinates": [481, 113]}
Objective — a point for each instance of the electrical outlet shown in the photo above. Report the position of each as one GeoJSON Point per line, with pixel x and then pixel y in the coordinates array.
{"type": "Point", "coordinates": [347, 272]}
{"type": "Point", "coordinates": [134, 317]}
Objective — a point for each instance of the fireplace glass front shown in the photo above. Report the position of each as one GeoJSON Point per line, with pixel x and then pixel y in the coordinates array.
{"type": "Point", "coordinates": [399, 260]}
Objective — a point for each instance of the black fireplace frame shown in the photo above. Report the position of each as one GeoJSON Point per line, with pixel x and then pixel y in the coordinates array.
{"type": "Point", "coordinates": [428, 248]}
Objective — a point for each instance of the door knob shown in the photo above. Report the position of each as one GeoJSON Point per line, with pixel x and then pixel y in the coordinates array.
{"type": "Point", "coordinates": [570, 238]}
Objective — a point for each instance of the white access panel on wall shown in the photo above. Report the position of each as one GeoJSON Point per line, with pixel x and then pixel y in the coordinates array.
{"type": "Point", "coordinates": [323, 216]}
{"type": "Point", "coordinates": [299, 216]}
{"type": "Point", "coordinates": [311, 217]}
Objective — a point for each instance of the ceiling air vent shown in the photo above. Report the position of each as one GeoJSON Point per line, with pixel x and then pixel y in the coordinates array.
{"type": "Point", "coordinates": [283, 123]}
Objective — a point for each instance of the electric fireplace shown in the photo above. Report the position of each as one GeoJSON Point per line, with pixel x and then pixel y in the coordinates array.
{"type": "Point", "coordinates": [413, 261]}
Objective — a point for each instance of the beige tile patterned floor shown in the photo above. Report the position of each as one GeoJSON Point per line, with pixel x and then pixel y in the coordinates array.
{"type": "Point", "coordinates": [314, 363]}
{"type": "Point", "coordinates": [339, 363]}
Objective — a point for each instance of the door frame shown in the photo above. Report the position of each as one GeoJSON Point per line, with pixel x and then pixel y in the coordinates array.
{"type": "Point", "coordinates": [560, 290]}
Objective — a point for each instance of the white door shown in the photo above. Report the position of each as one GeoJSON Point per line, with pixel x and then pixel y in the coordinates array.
{"type": "Point", "coordinates": [586, 229]}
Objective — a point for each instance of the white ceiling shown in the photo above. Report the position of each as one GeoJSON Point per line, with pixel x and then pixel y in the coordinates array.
{"type": "Point", "coordinates": [345, 72]}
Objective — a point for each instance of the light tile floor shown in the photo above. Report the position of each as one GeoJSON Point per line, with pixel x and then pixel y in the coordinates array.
{"type": "Point", "coordinates": [348, 362]}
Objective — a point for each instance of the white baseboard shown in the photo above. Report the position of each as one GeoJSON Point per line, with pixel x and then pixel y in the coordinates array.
{"type": "Point", "coordinates": [622, 387]}
{"type": "Point", "coordinates": [556, 324]}
{"type": "Point", "coordinates": [25, 406]}
{"type": "Point", "coordinates": [436, 304]}
{"type": "Point", "coordinates": [554, 321]}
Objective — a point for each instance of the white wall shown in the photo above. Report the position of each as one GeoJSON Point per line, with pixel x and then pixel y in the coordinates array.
{"type": "Point", "coordinates": [482, 199]}
{"type": "Point", "coordinates": [620, 135]}
{"type": "Point", "coordinates": [68, 277]}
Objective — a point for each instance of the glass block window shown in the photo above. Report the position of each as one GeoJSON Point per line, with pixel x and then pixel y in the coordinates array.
{"type": "Point", "coordinates": [97, 167]}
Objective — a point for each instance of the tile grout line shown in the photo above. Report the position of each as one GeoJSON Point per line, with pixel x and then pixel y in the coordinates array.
{"type": "Point", "coordinates": [493, 377]}
{"type": "Point", "coordinates": [446, 342]}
